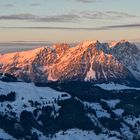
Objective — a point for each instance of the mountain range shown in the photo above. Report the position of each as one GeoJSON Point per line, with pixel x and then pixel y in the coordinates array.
{"type": "Point", "coordinates": [90, 61]}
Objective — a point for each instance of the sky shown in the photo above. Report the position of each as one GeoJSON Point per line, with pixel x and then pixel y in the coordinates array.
{"type": "Point", "coordinates": [69, 20]}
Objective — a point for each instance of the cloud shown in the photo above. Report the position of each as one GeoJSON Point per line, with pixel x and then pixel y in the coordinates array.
{"type": "Point", "coordinates": [70, 17]}
{"type": "Point", "coordinates": [35, 4]}
{"type": "Point", "coordinates": [35, 18]}
{"type": "Point", "coordinates": [59, 18]}
{"type": "Point", "coordinates": [124, 26]}
{"type": "Point", "coordinates": [18, 17]}
{"type": "Point", "coordinates": [9, 5]}
{"type": "Point", "coordinates": [108, 15]}
{"type": "Point", "coordinates": [51, 28]}
{"type": "Point", "coordinates": [86, 1]}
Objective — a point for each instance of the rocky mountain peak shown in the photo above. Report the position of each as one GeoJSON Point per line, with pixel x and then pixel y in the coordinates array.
{"type": "Point", "coordinates": [89, 61]}
{"type": "Point", "coordinates": [61, 47]}
{"type": "Point", "coordinates": [89, 43]}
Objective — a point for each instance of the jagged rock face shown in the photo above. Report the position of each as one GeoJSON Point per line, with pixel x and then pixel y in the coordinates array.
{"type": "Point", "coordinates": [21, 64]}
{"type": "Point", "coordinates": [88, 61]}
{"type": "Point", "coordinates": [60, 49]}
{"type": "Point", "coordinates": [129, 55]}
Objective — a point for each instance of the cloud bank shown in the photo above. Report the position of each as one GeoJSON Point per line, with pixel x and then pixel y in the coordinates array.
{"type": "Point", "coordinates": [69, 17]}
{"type": "Point", "coordinates": [123, 26]}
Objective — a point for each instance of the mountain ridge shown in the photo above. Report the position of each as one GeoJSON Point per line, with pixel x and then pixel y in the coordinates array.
{"type": "Point", "coordinates": [87, 61]}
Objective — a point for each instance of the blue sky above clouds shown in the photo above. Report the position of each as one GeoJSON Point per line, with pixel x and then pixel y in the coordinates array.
{"type": "Point", "coordinates": [69, 20]}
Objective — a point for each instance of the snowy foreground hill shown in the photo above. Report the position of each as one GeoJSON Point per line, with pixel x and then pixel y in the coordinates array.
{"type": "Point", "coordinates": [68, 111]}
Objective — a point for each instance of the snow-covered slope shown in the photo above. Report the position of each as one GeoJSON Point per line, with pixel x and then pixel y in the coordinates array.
{"type": "Point", "coordinates": [26, 92]}
{"type": "Point", "coordinates": [113, 86]}
{"type": "Point", "coordinates": [5, 136]}
{"type": "Point", "coordinates": [31, 112]}
{"type": "Point", "coordinates": [75, 134]}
